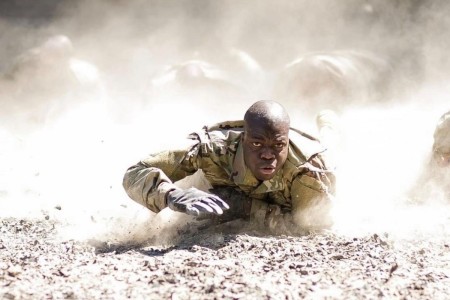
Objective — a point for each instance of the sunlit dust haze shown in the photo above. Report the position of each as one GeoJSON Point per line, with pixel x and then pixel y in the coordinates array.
{"type": "Point", "coordinates": [88, 88]}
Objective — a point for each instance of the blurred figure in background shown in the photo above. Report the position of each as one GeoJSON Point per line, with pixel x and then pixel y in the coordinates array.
{"type": "Point", "coordinates": [198, 81]}
{"type": "Point", "coordinates": [195, 87]}
{"type": "Point", "coordinates": [194, 75]}
{"type": "Point", "coordinates": [434, 183]}
{"type": "Point", "coordinates": [244, 70]}
{"type": "Point", "coordinates": [45, 81]}
{"type": "Point", "coordinates": [331, 136]}
{"type": "Point", "coordinates": [52, 108]}
{"type": "Point", "coordinates": [441, 144]}
{"type": "Point", "coordinates": [334, 80]}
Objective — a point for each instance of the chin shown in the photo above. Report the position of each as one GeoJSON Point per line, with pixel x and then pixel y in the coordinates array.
{"type": "Point", "coordinates": [265, 177]}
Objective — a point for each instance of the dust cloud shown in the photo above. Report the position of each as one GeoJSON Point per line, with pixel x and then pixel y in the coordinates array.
{"type": "Point", "coordinates": [141, 75]}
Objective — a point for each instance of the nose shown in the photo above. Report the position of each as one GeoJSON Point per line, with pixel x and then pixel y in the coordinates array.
{"type": "Point", "coordinates": [267, 153]}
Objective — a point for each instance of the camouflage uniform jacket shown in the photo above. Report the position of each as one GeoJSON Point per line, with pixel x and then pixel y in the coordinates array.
{"type": "Point", "coordinates": [302, 183]}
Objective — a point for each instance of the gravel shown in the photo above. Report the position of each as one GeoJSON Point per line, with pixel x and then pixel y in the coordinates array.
{"type": "Point", "coordinates": [219, 263]}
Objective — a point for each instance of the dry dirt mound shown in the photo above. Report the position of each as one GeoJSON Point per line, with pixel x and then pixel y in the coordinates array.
{"type": "Point", "coordinates": [36, 264]}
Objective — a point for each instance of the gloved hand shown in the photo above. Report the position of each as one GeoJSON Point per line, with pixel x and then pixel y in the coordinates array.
{"type": "Point", "coordinates": [195, 202]}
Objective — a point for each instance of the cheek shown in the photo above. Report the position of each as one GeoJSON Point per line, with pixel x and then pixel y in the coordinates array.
{"type": "Point", "coordinates": [249, 156]}
{"type": "Point", "coordinates": [282, 156]}
{"type": "Point", "coordinates": [253, 157]}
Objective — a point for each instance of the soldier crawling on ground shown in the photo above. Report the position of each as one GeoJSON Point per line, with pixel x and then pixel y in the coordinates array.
{"type": "Point", "coordinates": [434, 185]}
{"type": "Point", "coordinates": [260, 170]}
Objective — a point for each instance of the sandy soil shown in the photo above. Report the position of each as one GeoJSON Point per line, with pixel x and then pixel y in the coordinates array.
{"type": "Point", "coordinates": [219, 263]}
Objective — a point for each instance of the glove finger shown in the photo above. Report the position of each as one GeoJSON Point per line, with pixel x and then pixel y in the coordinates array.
{"type": "Point", "coordinates": [196, 193]}
{"type": "Point", "coordinates": [184, 199]}
{"type": "Point", "coordinates": [187, 199]}
{"type": "Point", "coordinates": [189, 194]}
{"type": "Point", "coordinates": [198, 209]}
{"type": "Point", "coordinates": [216, 208]}
{"type": "Point", "coordinates": [203, 207]}
{"type": "Point", "coordinates": [219, 202]}
{"type": "Point", "coordinates": [223, 204]}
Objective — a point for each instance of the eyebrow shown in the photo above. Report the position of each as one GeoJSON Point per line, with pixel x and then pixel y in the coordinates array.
{"type": "Point", "coordinates": [276, 139]}
{"type": "Point", "coordinates": [258, 137]}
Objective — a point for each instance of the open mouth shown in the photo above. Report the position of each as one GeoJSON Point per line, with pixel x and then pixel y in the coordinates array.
{"type": "Point", "coordinates": [267, 170]}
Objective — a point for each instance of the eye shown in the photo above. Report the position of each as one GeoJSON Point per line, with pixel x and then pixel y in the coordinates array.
{"type": "Point", "coordinates": [279, 145]}
{"type": "Point", "coordinates": [256, 144]}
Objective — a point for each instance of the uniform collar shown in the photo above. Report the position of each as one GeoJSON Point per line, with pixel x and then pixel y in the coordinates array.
{"type": "Point", "coordinates": [242, 176]}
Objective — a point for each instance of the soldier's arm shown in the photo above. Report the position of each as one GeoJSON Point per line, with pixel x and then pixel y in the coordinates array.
{"type": "Point", "coordinates": [148, 181]}
{"type": "Point", "coordinates": [312, 193]}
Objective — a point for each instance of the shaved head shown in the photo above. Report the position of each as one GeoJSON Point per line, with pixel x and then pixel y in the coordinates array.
{"type": "Point", "coordinates": [267, 112]}
{"type": "Point", "coordinates": [265, 138]}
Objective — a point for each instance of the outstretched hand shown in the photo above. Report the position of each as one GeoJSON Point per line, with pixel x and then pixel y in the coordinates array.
{"type": "Point", "coordinates": [195, 202]}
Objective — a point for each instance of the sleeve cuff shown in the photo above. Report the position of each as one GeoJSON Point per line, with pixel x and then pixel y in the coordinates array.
{"type": "Point", "coordinates": [163, 189]}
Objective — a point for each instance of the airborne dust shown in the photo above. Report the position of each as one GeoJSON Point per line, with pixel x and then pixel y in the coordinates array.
{"type": "Point", "coordinates": [136, 76]}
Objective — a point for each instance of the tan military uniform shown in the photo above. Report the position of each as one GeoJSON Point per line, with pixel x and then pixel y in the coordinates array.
{"type": "Point", "coordinates": [433, 184]}
{"type": "Point", "coordinates": [303, 188]}
{"type": "Point", "coordinates": [441, 136]}
{"type": "Point", "coordinates": [438, 168]}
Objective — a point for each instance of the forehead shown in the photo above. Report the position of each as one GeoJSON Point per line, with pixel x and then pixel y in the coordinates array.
{"type": "Point", "coordinates": [271, 130]}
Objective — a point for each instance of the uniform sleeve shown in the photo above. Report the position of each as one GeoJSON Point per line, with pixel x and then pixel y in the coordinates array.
{"type": "Point", "coordinates": [312, 193]}
{"type": "Point", "coordinates": [148, 181]}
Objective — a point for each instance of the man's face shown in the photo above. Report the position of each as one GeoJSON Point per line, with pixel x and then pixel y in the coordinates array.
{"type": "Point", "coordinates": [265, 148]}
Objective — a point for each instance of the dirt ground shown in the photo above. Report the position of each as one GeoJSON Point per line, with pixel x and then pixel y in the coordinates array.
{"type": "Point", "coordinates": [79, 163]}
{"type": "Point", "coordinates": [220, 263]}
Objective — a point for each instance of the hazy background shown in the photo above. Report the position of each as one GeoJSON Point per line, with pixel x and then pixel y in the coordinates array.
{"type": "Point", "coordinates": [74, 160]}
